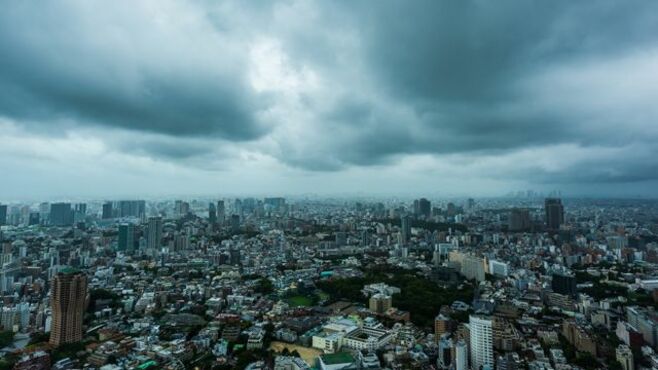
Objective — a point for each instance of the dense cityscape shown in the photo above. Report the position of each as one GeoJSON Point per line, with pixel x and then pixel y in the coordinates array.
{"type": "Point", "coordinates": [520, 282]}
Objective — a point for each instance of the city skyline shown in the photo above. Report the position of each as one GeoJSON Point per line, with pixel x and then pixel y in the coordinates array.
{"type": "Point", "coordinates": [121, 99]}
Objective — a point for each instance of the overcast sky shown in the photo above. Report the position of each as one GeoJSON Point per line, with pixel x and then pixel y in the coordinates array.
{"type": "Point", "coordinates": [120, 98]}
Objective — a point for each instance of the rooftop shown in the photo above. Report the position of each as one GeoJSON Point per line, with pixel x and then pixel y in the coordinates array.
{"type": "Point", "coordinates": [337, 358]}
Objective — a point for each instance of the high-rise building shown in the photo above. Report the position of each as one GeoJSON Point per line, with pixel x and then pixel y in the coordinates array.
{"type": "Point", "coordinates": [481, 342]}
{"type": "Point", "coordinates": [68, 296]}
{"type": "Point", "coordinates": [34, 219]}
{"type": "Point", "coordinates": [442, 325]}
{"type": "Point", "coordinates": [221, 212]}
{"type": "Point", "coordinates": [107, 211]}
{"type": "Point", "coordinates": [154, 236]}
{"type": "Point", "coordinates": [131, 208]}
{"type": "Point", "coordinates": [126, 240]}
{"type": "Point", "coordinates": [473, 268]}
{"type": "Point", "coordinates": [461, 355]}
{"type": "Point", "coordinates": [554, 213]}
{"type": "Point", "coordinates": [564, 284]}
{"type": "Point", "coordinates": [519, 219]}
{"type": "Point", "coordinates": [3, 214]}
{"type": "Point", "coordinates": [422, 208]}
{"type": "Point", "coordinates": [446, 347]}
{"type": "Point", "coordinates": [81, 208]}
{"type": "Point", "coordinates": [235, 223]}
{"type": "Point", "coordinates": [405, 228]}
{"type": "Point", "coordinates": [498, 268]}
{"type": "Point", "coordinates": [341, 238]}
{"type": "Point", "coordinates": [234, 257]}
{"type": "Point", "coordinates": [61, 214]}
{"type": "Point", "coordinates": [625, 357]}
{"type": "Point", "coordinates": [212, 214]}
{"type": "Point", "coordinates": [380, 303]}
{"type": "Point", "coordinates": [237, 207]}
{"type": "Point", "coordinates": [646, 323]}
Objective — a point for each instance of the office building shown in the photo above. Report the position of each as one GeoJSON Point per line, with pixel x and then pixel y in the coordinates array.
{"type": "Point", "coordinates": [442, 325]}
{"type": "Point", "coordinates": [154, 238]}
{"type": "Point", "coordinates": [107, 212]}
{"type": "Point", "coordinates": [212, 214]}
{"type": "Point", "coordinates": [234, 257]}
{"type": "Point", "coordinates": [481, 342]}
{"type": "Point", "coordinates": [68, 298]}
{"type": "Point", "coordinates": [3, 214]}
{"type": "Point", "coordinates": [235, 223]}
{"type": "Point", "coordinates": [473, 268]}
{"type": "Point", "coordinates": [131, 208]}
{"type": "Point", "coordinates": [445, 352]}
{"type": "Point", "coordinates": [625, 357]}
{"type": "Point", "coordinates": [645, 321]}
{"type": "Point", "coordinates": [498, 268]}
{"type": "Point", "coordinates": [34, 218]}
{"type": "Point", "coordinates": [380, 303]}
{"type": "Point", "coordinates": [554, 213]}
{"type": "Point", "coordinates": [519, 220]}
{"type": "Point", "coordinates": [564, 284]}
{"type": "Point", "coordinates": [126, 240]}
{"type": "Point", "coordinates": [61, 214]}
{"type": "Point", "coordinates": [221, 212]}
{"type": "Point", "coordinates": [422, 208]}
{"type": "Point", "coordinates": [461, 355]}
{"type": "Point", "coordinates": [405, 228]}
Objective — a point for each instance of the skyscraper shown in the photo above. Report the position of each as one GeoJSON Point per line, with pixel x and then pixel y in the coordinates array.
{"type": "Point", "coordinates": [61, 214]}
{"type": "Point", "coordinates": [3, 214]}
{"type": "Point", "coordinates": [461, 355]}
{"type": "Point", "coordinates": [405, 228]}
{"type": "Point", "coordinates": [107, 211]}
{"type": "Point", "coordinates": [422, 208]}
{"type": "Point", "coordinates": [235, 223]}
{"type": "Point", "coordinates": [481, 342]}
{"type": "Point", "coordinates": [212, 214]}
{"type": "Point", "coordinates": [68, 297]}
{"type": "Point", "coordinates": [519, 219]}
{"type": "Point", "coordinates": [564, 284]}
{"type": "Point", "coordinates": [131, 208]}
{"type": "Point", "coordinates": [554, 213]}
{"type": "Point", "coordinates": [154, 239]}
{"type": "Point", "coordinates": [34, 218]}
{"type": "Point", "coordinates": [126, 237]}
{"type": "Point", "coordinates": [221, 212]}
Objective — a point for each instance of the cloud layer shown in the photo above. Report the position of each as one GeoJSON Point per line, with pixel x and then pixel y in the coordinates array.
{"type": "Point", "coordinates": [516, 93]}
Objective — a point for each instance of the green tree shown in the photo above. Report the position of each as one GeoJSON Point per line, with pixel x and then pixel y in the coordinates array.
{"type": "Point", "coordinates": [6, 338]}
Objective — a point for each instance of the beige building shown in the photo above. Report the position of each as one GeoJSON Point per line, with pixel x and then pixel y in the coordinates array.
{"type": "Point", "coordinates": [380, 303]}
{"type": "Point", "coordinates": [68, 297]}
{"type": "Point", "coordinates": [625, 357]}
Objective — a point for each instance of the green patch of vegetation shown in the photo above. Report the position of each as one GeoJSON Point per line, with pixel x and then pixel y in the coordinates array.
{"type": "Point", "coordinates": [299, 301]}
{"type": "Point", "coordinates": [67, 350]}
{"type": "Point", "coordinates": [38, 337]}
{"type": "Point", "coordinates": [6, 338]}
{"type": "Point", "coordinates": [264, 286]}
{"type": "Point", "coordinates": [420, 296]}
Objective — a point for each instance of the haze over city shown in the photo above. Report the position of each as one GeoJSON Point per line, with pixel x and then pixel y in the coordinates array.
{"type": "Point", "coordinates": [466, 98]}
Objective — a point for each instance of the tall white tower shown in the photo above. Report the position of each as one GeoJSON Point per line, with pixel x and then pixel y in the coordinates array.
{"type": "Point", "coordinates": [461, 355]}
{"type": "Point", "coordinates": [481, 342]}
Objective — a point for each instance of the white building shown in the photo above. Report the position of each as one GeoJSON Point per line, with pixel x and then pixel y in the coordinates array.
{"type": "Point", "coordinates": [461, 355]}
{"type": "Point", "coordinates": [481, 342]}
{"type": "Point", "coordinates": [625, 357]}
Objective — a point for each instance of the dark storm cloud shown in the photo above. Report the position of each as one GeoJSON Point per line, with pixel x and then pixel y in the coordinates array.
{"type": "Point", "coordinates": [466, 75]}
{"type": "Point", "coordinates": [345, 84]}
{"type": "Point", "coordinates": [69, 61]}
